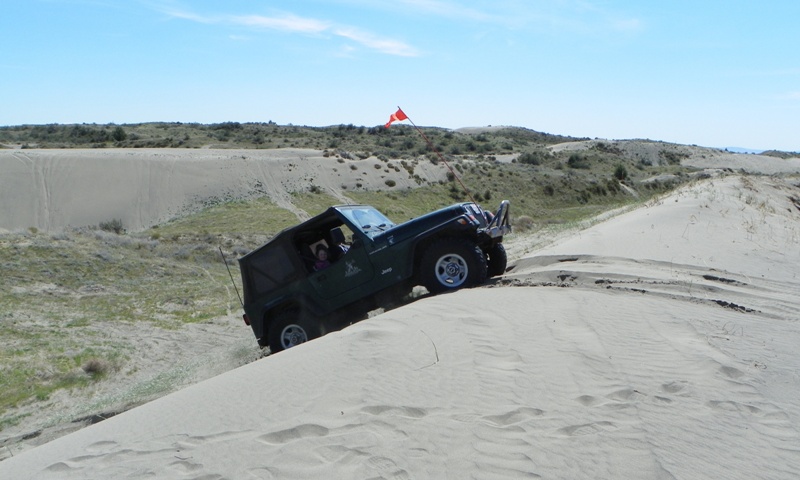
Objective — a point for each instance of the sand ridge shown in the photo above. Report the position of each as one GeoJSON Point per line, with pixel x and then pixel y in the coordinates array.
{"type": "Point", "coordinates": [660, 343]}
{"type": "Point", "coordinates": [54, 189]}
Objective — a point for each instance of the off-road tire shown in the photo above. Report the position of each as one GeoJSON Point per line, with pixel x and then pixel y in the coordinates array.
{"type": "Point", "coordinates": [498, 260]}
{"type": "Point", "coordinates": [450, 264]}
{"type": "Point", "coordinates": [290, 328]}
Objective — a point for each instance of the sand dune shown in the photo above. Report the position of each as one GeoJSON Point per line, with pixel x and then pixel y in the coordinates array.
{"type": "Point", "coordinates": [53, 189]}
{"type": "Point", "coordinates": [658, 344]}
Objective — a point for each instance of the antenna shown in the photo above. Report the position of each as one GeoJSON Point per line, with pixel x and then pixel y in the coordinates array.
{"type": "Point", "coordinates": [231, 275]}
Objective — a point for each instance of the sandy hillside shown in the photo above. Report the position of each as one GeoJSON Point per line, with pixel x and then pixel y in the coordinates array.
{"type": "Point", "coordinates": [53, 189]}
{"type": "Point", "coordinates": [658, 344]}
{"type": "Point", "coordinates": [653, 153]}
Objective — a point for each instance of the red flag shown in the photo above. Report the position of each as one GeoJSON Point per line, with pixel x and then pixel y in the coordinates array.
{"type": "Point", "coordinates": [399, 116]}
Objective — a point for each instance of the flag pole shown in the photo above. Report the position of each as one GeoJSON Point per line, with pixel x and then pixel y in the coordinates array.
{"type": "Point", "coordinates": [441, 157]}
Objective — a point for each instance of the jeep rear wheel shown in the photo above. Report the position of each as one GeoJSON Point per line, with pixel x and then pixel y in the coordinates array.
{"type": "Point", "coordinates": [451, 264]}
{"type": "Point", "coordinates": [291, 328]}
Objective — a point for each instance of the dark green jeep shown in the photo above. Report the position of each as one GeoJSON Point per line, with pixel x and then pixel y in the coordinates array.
{"type": "Point", "coordinates": [291, 295]}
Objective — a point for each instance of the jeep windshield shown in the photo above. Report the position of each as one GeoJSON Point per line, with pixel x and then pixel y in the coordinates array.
{"type": "Point", "coordinates": [367, 219]}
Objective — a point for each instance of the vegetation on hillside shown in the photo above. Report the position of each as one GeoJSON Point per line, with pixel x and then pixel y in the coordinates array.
{"type": "Point", "coordinates": [396, 142]}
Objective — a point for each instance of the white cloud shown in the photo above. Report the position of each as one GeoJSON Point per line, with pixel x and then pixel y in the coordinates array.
{"type": "Point", "coordinates": [184, 15]}
{"type": "Point", "coordinates": [383, 45]}
{"type": "Point", "coordinates": [450, 9]}
{"type": "Point", "coordinates": [306, 26]}
{"type": "Point", "coordinates": [582, 16]}
{"type": "Point", "coordinates": [287, 23]}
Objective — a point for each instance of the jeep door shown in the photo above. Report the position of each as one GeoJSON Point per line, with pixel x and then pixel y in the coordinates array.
{"type": "Point", "coordinates": [351, 271]}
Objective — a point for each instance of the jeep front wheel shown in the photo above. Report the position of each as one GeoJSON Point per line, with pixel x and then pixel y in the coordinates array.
{"type": "Point", "coordinates": [291, 328]}
{"type": "Point", "coordinates": [498, 260]}
{"type": "Point", "coordinates": [451, 264]}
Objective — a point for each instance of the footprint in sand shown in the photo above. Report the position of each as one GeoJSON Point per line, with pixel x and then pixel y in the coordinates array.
{"type": "Point", "coordinates": [626, 394]}
{"type": "Point", "coordinates": [294, 433]}
{"type": "Point", "coordinates": [102, 447]}
{"type": "Point", "coordinates": [514, 416]}
{"type": "Point", "coordinates": [673, 387]}
{"type": "Point", "coordinates": [387, 467]}
{"type": "Point", "coordinates": [588, 400]}
{"type": "Point", "coordinates": [185, 467]}
{"type": "Point", "coordinates": [587, 429]}
{"type": "Point", "coordinates": [62, 467]}
{"type": "Point", "coordinates": [410, 412]}
{"type": "Point", "coordinates": [731, 372]}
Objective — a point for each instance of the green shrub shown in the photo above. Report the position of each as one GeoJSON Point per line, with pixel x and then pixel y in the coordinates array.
{"type": "Point", "coordinates": [119, 135]}
{"type": "Point", "coordinates": [620, 172]}
{"type": "Point", "coordinates": [114, 225]}
{"type": "Point", "coordinates": [577, 160]}
{"type": "Point", "coordinates": [535, 157]}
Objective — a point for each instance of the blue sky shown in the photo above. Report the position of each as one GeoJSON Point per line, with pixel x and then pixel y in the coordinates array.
{"type": "Point", "coordinates": [705, 72]}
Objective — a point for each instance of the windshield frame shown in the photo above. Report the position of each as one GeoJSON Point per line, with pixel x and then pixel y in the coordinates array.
{"type": "Point", "coordinates": [367, 220]}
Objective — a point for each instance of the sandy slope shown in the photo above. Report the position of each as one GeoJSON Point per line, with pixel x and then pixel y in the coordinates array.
{"type": "Point", "coordinates": [658, 344]}
{"type": "Point", "coordinates": [52, 189]}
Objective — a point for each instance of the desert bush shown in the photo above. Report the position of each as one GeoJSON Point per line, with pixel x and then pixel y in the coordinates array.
{"type": "Point", "coordinates": [672, 157]}
{"type": "Point", "coordinates": [597, 189]}
{"type": "Point", "coordinates": [607, 148]}
{"type": "Point", "coordinates": [620, 172]}
{"type": "Point", "coordinates": [577, 160]}
{"type": "Point", "coordinates": [113, 225]}
{"type": "Point", "coordinates": [95, 367]}
{"type": "Point", "coordinates": [119, 135]}
{"type": "Point", "coordinates": [523, 223]}
{"type": "Point", "coordinates": [535, 157]}
{"type": "Point", "coordinates": [390, 183]}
